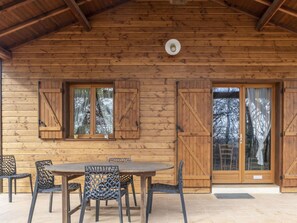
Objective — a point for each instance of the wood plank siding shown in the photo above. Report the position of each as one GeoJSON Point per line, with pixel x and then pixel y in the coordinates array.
{"type": "Point", "coordinates": [127, 43]}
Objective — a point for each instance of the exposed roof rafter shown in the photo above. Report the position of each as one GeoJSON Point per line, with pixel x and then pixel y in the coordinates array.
{"type": "Point", "coordinates": [5, 54]}
{"type": "Point", "coordinates": [266, 17]}
{"type": "Point", "coordinates": [241, 10]}
{"type": "Point", "coordinates": [37, 19]}
{"type": "Point", "coordinates": [283, 9]}
{"type": "Point", "coordinates": [178, 2]}
{"type": "Point", "coordinates": [76, 11]}
{"type": "Point", "coordinates": [13, 5]}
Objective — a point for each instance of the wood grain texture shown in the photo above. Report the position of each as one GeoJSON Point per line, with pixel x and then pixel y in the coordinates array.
{"type": "Point", "coordinates": [289, 135]}
{"type": "Point", "coordinates": [129, 45]}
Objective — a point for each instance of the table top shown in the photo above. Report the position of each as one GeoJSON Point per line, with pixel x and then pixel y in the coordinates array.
{"type": "Point", "coordinates": [131, 167]}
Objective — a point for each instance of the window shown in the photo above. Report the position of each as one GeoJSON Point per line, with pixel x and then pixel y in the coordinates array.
{"type": "Point", "coordinates": [91, 111]}
{"type": "Point", "coordinates": [88, 111]}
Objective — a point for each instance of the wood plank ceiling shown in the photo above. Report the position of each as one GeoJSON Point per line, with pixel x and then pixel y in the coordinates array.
{"type": "Point", "coordinates": [25, 20]}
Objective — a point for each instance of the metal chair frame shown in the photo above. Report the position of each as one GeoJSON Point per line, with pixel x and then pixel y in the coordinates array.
{"type": "Point", "coordinates": [45, 183]}
{"type": "Point", "coordinates": [8, 171]}
{"type": "Point", "coordinates": [166, 188]}
{"type": "Point", "coordinates": [103, 183]}
{"type": "Point", "coordinates": [125, 180]}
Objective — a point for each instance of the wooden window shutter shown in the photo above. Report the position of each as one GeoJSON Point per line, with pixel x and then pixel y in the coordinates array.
{"type": "Point", "coordinates": [194, 127]}
{"type": "Point", "coordinates": [289, 182]}
{"type": "Point", "coordinates": [50, 109]}
{"type": "Point", "coordinates": [127, 109]}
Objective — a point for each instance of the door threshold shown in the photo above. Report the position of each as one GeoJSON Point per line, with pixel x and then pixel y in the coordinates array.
{"type": "Point", "coordinates": [246, 188]}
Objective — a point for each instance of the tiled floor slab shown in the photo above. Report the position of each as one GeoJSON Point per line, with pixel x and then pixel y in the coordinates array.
{"type": "Point", "coordinates": [201, 208]}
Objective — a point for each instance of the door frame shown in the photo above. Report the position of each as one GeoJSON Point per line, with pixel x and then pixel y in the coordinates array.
{"type": "Point", "coordinates": [248, 176]}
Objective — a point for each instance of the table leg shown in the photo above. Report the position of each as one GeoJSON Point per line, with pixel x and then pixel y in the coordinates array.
{"type": "Point", "coordinates": [143, 199]}
{"type": "Point", "coordinates": [65, 200]}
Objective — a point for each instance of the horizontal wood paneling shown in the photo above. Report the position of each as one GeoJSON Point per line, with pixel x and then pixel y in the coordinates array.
{"type": "Point", "coordinates": [128, 42]}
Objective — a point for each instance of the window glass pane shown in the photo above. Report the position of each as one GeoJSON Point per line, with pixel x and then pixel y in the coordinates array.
{"type": "Point", "coordinates": [258, 129]}
{"type": "Point", "coordinates": [104, 111]}
{"type": "Point", "coordinates": [82, 110]}
{"type": "Point", "coordinates": [226, 113]}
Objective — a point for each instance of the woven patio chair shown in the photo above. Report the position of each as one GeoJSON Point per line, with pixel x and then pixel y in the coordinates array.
{"type": "Point", "coordinates": [45, 183]}
{"type": "Point", "coordinates": [103, 183]}
{"type": "Point", "coordinates": [125, 180]}
{"type": "Point", "coordinates": [166, 188]}
{"type": "Point", "coordinates": [8, 171]}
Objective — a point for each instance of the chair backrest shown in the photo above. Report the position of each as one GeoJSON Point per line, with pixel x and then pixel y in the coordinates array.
{"type": "Point", "coordinates": [45, 178]}
{"type": "Point", "coordinates": [119, 159]}
{"type": "Point", "coordinates": [180, 175]}
{"type": "Point", "coordinates": [7, 165]}
{"type": "Point", "coordinates": [226, 155]}
{"type": "Point", "coordinates": [102, 182]}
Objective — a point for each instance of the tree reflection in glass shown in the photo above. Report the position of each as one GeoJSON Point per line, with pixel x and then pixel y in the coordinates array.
{"type": "Point", "coordinates": [104, 111]}
{"type": "Point", "coordinates": [82, 108]}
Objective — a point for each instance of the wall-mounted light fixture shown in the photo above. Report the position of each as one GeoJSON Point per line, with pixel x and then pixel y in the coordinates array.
{"type": "Point", "coordinates": [172, 47]}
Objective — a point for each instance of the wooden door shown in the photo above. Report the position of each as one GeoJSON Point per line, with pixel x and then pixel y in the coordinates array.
{"type": "Point", "coordinates": [194, 132]}
{"type": "Point", "coordinates": [289, 182]}
{"type": "Point", "coordinates": [239, 122]}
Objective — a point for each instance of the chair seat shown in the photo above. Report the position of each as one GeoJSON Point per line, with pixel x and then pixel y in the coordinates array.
{"type": "Point", "coordinates": [164, 188]}
{"type": "Point", "coordinates": [58, 188]}
{"type": "Point", "coordinates": [125, 180]}
{"type": "Point", "coordinates": [17, 176]}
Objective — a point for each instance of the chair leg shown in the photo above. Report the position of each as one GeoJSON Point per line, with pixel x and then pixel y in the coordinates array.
{"type": "Point", "coordinates": [183, 206]}
{"type": "Point", "coordinates": [148, 205]}
{"type": "Point", "coordinates": [51, 202]}
{"type": "Point", "coordinates": [128, 206]}
{"type": "Point", "coordinates": [15, 186]}
{"type": "Point", "coordinates": [126, 195]}
{"type": "Point", "coordinates": [120, 209]}
{"type": "Point", "coordinates": [97, 209]}
{"type": "Point", "coordinates": [30, 178]}
{"type": "Point", "coordinates": [33, 202]}
{"type": "Point", "coordinates": [80, 194]}
{"type": "Point", "coordinates": [151, 201]}
{"type": "Point", "coordinates": [133, 191]}
{"type": "Point", "coordinates": [10, 189]}
{"type": "Point", "coordinates": [82, 211]}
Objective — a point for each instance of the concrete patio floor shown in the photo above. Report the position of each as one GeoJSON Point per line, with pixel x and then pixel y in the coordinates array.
{"type": "Point", "coordinates": [166, 208]}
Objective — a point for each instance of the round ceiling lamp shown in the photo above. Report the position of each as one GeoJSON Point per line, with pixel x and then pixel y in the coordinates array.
{"type": "Point", "coordinates": [172, 47]}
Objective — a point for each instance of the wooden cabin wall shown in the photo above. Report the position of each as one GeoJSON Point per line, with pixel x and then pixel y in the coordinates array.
{"type": "Point", "coordinates": [127, 42]}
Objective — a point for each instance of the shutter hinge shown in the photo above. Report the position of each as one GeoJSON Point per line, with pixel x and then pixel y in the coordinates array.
{"type": "Point", "coordinates": [281, 134]}
{"type": "Point", "coordinates": [211, 90]}
{"type": "Point", "coordinates": [282, 90]}
{"type": "Point", "coordinates": [41, 124]}
{"type": "Point", "coordinates": [210, 177]}
{"type": "Point", "coordinates": [281, 177]}
{"type": "Point", "coordinates": [178, 128]}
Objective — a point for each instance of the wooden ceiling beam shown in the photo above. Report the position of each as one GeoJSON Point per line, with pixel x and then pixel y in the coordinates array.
{"type": "Point", "coordinates": [248, 13]}
{"type": "Point", "coordinates": [80, 16]}
{"type": "Point", "coordinates": [13, 5]}
{"type": "Point", "coordinates": [37, 19]}
{"type": "Point", "coordinates": [283, 9]}
{"type": "Point", "coordinates": [178, 2]}
{"type": "Point", "coordinates": [266, 17]}
{"type": "Point", "coordinates": [5, 54]}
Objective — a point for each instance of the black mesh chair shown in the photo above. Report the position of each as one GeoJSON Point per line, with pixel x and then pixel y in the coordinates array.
{"type": "Point", "coordinates": [103, 183]}
{"type": "Point", "coordinates": [8, 171]}
{"type": "Point", "coordinates": [166, 188]}
{"type": "Point", "coordinates": [125, 180]}
{"type": "Point", "coordinates": [45, 183]}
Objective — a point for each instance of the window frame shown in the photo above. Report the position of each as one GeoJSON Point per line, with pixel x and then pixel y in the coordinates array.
{"type": "Point", "coordinates": [93, 88]}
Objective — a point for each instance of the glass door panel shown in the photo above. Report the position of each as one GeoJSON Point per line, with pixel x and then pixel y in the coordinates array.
{"type": "Point", "coordinates": [226, 128]}
{"type": "Point", "coordinates": [258, 128]}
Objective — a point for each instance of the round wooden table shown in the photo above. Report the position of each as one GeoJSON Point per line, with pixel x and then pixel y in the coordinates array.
{"type": "Point", "coordinates": [70, 171]}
